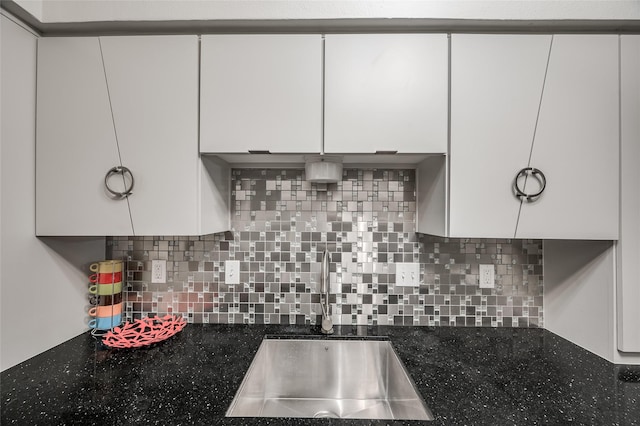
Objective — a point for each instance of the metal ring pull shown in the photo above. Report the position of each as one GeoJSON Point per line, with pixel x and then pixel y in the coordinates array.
{"type": "Point", "coordinates": [538, 175]}
{"type": "Point", "coordinates": [119, 170]}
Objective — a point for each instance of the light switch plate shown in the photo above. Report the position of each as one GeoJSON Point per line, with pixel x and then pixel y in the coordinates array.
{"type": "Point", "coordinates": [158, 271]}
{"type": "Point", "coordinates": [487, 276]}
{"type": "Point", "coordinates": [232, 272]}
{"type": "Point", "coordinates": [408, 274]}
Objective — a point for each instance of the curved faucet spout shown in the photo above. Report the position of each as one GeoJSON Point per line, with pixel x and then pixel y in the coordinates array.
{"type": "Point", "coordinates": [325, 289]}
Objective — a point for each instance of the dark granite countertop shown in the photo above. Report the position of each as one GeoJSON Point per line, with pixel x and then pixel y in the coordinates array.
{"type": "Point", "coordinates": [467, 376]}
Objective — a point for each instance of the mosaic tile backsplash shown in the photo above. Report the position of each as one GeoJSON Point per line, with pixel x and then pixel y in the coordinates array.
{"type": "Point", "coordinates": [280, 226]}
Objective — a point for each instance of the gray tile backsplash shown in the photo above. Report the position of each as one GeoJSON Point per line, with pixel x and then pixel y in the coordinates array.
{"type": "Point", "coordinates": [280, 226]}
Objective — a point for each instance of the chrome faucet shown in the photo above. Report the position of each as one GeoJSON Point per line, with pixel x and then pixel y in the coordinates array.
{"type": "Point", "coordinates": [325, 289]}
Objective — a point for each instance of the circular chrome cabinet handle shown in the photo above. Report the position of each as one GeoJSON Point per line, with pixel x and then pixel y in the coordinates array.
{"type": "Point", "coordinates": [119, 170]}
{"type": "Point", "coordinates": [535, 173]}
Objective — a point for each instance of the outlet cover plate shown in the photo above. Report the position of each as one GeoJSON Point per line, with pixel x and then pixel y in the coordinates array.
{"type": "Point", "coordinates": [487, 276]}
{"type": "Point", "coordinates": [232, 272]}
{"type": "Point", "coordinates": [158, 271]}
{"type": "Point", "coordinates": [408, 274]}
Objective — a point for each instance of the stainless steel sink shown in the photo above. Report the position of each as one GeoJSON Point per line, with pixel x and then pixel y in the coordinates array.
{"type": "Point", "coordinates": [360, 379]}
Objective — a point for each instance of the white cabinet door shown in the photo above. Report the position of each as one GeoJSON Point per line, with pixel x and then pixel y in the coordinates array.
{"type": "Point", "coordinates": [499, 83]}
{"type": "Point", "coordinates": [153, 84]}
{"type": "Point", "coordinates": [261, 93]}
{"type": "Point", "coordinates": [75, 143]}
{"type": "Point", "coordinates": [577, 143]}
{"type": "Point", "coordinates": [122, 101]}
{"type": "Point", "coordinates": [386, 92]}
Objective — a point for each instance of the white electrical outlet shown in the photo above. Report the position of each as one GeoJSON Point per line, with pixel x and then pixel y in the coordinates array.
{"type": "Point", "coordinates": [232, 272]}
{"type": "Point", "coordinates": [408, 274]}
{"type": "Point", "coordinates": [487, 276]}
{"type": "Point", "coordinates": [158, 271]}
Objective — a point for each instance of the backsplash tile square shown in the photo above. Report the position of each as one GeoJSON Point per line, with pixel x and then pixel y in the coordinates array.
{"type": "Point", "coordinates": [281, 224]}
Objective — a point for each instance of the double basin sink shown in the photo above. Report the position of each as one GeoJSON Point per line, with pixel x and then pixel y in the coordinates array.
{"type": "Point", "coordinates": [358, 379]}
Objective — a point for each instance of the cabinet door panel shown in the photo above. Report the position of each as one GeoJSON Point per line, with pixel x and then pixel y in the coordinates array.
{"type": "Point", "coordinates": [261, 92]}
{"type": "Point", "coordinates": [75, 143]}
{"type": "Point", "coordinates": [577, 143]}
{"type": "Point", "coordinates": [153, 83]}
{"type": "Point", "coordinates": [496, 81]}
{"type": "Point", "coordinates": [386, 92]}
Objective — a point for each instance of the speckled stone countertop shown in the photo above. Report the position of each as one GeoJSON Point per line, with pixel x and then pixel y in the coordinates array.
{"type": "Point", "coordinates": [467, 376]}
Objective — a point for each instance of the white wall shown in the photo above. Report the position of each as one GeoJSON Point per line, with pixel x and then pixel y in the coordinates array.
{"type": "Point", "coordinates": [162, 10]}
{"type": "Point", "coordinates": [43, 290]}
{"type": "Point", "coordinates": [580, 296]}
{"type": "Point", "coordinates": [579, 293]}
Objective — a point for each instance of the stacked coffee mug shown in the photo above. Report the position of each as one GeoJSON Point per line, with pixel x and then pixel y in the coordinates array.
{"type": "Point", "coordinates": [105, 289]}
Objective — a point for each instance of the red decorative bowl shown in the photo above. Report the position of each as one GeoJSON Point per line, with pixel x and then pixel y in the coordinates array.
{"type": "Point", "coordinates": [143, 332]}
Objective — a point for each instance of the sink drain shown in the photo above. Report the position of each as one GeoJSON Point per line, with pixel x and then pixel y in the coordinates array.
{"type": "Point", "coordinates": [321, 414]}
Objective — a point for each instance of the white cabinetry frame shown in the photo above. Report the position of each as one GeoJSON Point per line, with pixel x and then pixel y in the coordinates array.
{"type": "Point", "coordinates": [549, 102]}
{"type": "Point", "coordinates": [120, 101]}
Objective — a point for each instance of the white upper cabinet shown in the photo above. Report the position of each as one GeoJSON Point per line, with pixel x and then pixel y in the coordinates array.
{"type": "Point", "coordinates": [261, 93]}
{"type": "Point", "coordinates": [510, 111]}
{"type": "Point", "coordinates": [386, 92]}
{"type": "Point", "coordinates": [119, 102]}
